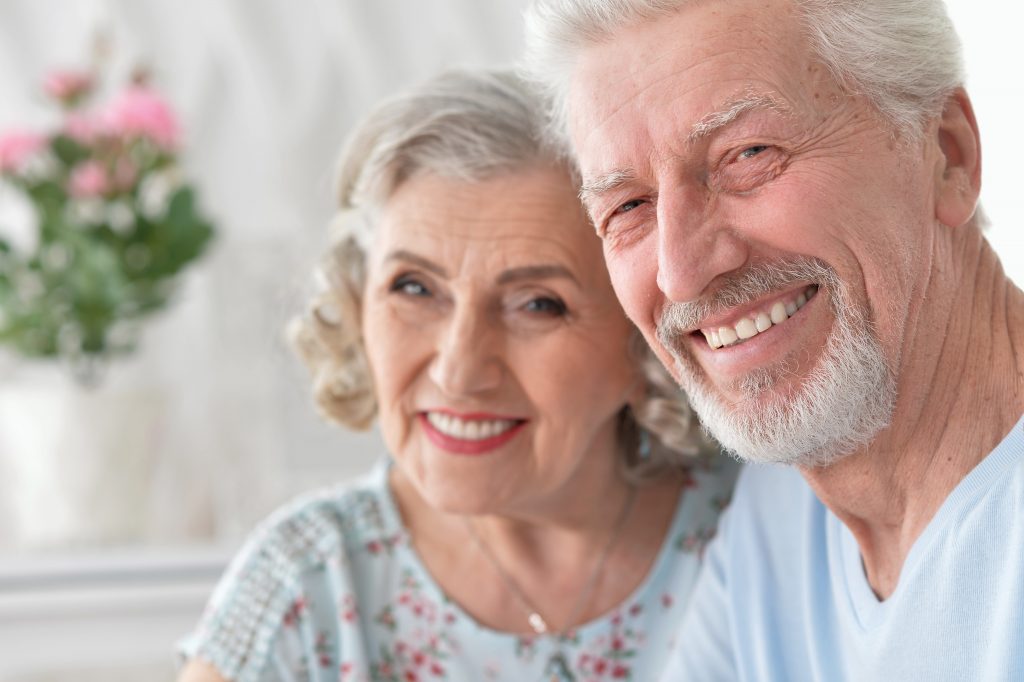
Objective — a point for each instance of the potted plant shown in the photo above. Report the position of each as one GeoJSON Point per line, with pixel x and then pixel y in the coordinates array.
{"type": "Point", "coordinates": [107, 225]}
{"type": "Point", "coordinates": [115, 224]}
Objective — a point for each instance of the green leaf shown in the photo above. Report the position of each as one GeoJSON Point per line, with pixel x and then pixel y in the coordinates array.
{"type": "Point", "coordinates": [69, 151]}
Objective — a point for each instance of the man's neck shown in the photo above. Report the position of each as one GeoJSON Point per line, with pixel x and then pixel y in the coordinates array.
{"type": "Point", "coordinates": [961, 389]}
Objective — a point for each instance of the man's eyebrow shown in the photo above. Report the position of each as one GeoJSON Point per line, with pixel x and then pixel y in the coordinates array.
{"type": "Point", "coordinates": [729, 112]}
{"type": "Point", "coordinates": [721, 117]}
{"type": "Point", "coordinates": [530, 272]}
{"type": "Point", "coordinates": [606, 182]}
{"type": "Point", "coordinates": [410, 257]}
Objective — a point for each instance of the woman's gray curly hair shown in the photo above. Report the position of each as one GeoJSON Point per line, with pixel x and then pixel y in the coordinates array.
{"type": "Point", "coordinates": [465, 125]}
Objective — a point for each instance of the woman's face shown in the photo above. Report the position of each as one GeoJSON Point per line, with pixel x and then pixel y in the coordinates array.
{"type": "Point", "coordinates": [498, 348]}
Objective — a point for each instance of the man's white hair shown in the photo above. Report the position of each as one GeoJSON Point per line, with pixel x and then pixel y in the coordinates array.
{"type": "Point", "coordinates": [904, 56]}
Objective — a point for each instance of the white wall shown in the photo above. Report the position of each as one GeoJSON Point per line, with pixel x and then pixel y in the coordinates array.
{"type": "Point", "coordinates": [994, 52]}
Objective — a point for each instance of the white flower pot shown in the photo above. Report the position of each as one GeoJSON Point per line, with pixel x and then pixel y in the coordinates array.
{"type": "Point", "coordinates": [75, 463]}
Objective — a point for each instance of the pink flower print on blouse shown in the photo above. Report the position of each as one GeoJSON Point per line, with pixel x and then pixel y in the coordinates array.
{"type": "Point", "coordinates": [385, 545]}
{"type": "Point", "coordinates": [609, 657]}
{"type": "Point", "coordinates": [324, 650]}
{"type": "Point", "coordinates": [695, 541]}
{"type": "Point", "coordinates": [412, 661]}
{"type": "Point", "coordinates": [295, 612]}
{"type": "Point", "coordinates": [424, 644]}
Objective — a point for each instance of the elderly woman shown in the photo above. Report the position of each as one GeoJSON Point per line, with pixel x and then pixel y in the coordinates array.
{"type": "Point", "coordinates": [543, 510]}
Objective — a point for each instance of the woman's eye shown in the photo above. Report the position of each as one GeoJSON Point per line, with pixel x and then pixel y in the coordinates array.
{"type": "Point", "coordinates": [751, 152]}
{"type": "Point", "coordinates": [409, 287]}
{"type": "Point", "coordinates": [546, 305]}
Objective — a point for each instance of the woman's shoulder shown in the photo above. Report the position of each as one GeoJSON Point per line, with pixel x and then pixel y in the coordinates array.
{"type": "Point", "coordinates": [710, 480]}
{"type": "Point", "coordinates": [321, 525]}
{"type": "Point", "coordinates": [304, 553]}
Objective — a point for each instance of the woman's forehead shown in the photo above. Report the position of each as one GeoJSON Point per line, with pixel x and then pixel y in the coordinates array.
{"type": "Point", "coordinates": [514, 220]}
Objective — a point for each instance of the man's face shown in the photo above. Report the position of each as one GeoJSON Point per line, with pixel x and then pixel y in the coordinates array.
{"type": "Point", "coordinates": [767, 221]}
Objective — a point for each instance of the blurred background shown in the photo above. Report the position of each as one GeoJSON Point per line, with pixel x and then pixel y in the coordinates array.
{"type": "Point", "coordinates": [120, 502]}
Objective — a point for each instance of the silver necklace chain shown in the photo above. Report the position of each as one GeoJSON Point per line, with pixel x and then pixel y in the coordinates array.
{"type": "Point", "coordinates": [533, 617]}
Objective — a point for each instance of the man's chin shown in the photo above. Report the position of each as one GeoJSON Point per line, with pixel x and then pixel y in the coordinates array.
{"type": "Point", "coordinates": [771, 418]}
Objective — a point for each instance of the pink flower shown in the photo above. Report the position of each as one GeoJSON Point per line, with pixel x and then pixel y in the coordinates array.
{"type": "Point", "coordinates": [68, 86]}
{"type": "Point", "coordinates": [88, 179]}
{"type": "Point", "coordinates": [82, 128]}
{"type": "Point", "coordinates": [17, 147]}
{"type": "Point", "coordinates": [125, 174]}
{"type": "Point", "coordinates": [140, 112]}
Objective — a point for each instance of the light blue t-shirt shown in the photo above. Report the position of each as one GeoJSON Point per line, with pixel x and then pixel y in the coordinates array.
{"type": "Point", "coordinates": [783, 597]}
{"type": "Point", "coordinates": [331, 589]}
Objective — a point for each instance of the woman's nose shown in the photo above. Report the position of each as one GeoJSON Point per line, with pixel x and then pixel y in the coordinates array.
{"type": "Point", "coordinates": [467, 358]}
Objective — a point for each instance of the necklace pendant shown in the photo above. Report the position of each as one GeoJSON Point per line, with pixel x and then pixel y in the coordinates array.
{"type": "Point", "coordinates": [537, 623]}
{"type": "Point", "coordinates": [558, 670]}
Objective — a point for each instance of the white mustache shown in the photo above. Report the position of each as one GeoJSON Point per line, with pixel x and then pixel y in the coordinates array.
{"type": "Point", "coordinates": [742, 287]}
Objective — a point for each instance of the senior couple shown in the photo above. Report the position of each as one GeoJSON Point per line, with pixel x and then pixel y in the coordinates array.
{"type": "Point", "coordinates": [785, 199]}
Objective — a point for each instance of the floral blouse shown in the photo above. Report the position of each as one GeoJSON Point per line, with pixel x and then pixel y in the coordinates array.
{"type": "Point", "coordinates": [330, 588]}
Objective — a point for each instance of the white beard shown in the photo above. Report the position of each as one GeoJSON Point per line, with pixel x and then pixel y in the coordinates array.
{"type": "Point", "coordinates": [847, 399]}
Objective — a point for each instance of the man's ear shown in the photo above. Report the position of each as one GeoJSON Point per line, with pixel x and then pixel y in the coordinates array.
{"type": "Point", "coordinates": [958, 175]}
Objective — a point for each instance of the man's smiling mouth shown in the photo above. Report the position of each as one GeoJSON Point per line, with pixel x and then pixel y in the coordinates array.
{"type": "Point", "coordinates": [752, 324]}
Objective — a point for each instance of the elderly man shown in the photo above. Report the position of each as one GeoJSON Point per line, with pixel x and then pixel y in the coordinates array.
{"type": "Point", "coordinates": [787, 194]}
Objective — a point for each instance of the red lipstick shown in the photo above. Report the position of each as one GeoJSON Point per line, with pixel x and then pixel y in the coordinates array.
{"type": "Point", "coordinates": [461, 446]}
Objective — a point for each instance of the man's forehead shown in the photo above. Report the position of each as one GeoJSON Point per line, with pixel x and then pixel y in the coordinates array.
{"type": "Point", "coordinates": [698, 66]}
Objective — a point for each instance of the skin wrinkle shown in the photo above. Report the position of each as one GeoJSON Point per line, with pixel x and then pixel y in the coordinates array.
{"type": "Point", "coordinates": [863, 199]}
{"type": "Point", "coordinates": [812, 138]}
{"type": "Point", "coordinates": [893, 527]}
{"type": "Point", "coordinates": [660, 56]}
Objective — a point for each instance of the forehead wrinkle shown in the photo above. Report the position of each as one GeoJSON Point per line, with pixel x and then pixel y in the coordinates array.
{"type": "Point", "coordinates": [729, 112]}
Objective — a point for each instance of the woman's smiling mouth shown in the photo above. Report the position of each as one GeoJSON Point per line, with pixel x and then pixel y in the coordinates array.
{"type": "Point", "coordinates": [468, 434]}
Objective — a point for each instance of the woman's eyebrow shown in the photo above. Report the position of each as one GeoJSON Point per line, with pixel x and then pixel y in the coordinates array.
{"type": "Point", "coordinates": [533, 272]}
{"type": "Point", "coordinates": [415, 259]}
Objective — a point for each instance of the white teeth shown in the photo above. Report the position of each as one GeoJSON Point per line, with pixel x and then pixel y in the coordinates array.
{"type": "Point", "coordinates": [468, 429]}
{"type": "Point", "coordinates": [748, 328]}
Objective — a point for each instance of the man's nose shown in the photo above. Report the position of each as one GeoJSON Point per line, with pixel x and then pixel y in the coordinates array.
{"type": "Point", "coordinates": [695, 245]}
{"type": "Point", "coordinates": [467, 358]}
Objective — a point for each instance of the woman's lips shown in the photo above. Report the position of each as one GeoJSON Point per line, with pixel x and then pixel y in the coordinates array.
{"type": "Point", "coordinates": [474, 434]}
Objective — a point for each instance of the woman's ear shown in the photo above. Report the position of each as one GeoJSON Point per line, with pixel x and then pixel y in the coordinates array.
{"type": "Point", "coordinates": [958, 176]}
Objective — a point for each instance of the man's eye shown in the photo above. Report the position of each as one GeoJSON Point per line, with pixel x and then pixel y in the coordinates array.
{"type": "Point", "coordinates": [629, 206]}
{"type": "Point", "coordinates": [751, 152]}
